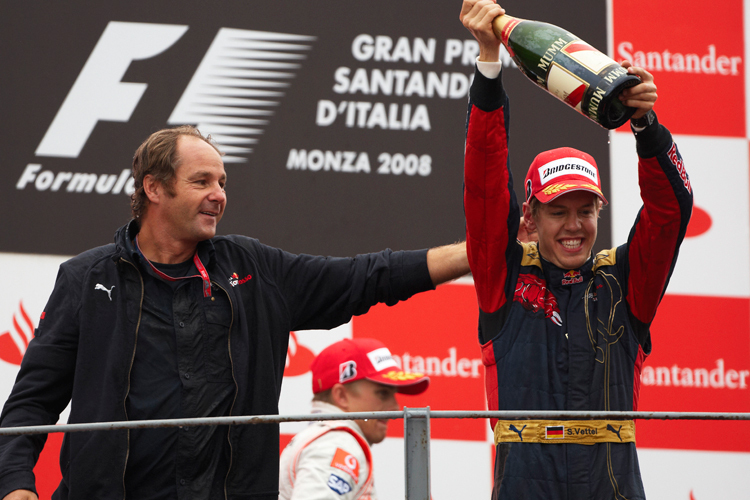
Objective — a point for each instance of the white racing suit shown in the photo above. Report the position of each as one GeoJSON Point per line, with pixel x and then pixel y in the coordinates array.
{"type": "Point", "coordinates": [328, 460]}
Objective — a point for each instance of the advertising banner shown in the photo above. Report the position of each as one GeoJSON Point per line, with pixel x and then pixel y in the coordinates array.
{"type": "Point", "coordinates": [343, 125]}
{"type": "Point", "coordinates": [21, 305]}
{"type": "Point", "coordinates": [701, 334]}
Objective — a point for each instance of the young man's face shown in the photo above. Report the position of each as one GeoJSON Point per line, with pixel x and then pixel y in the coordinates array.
{"type": "Point", "coordinates": [566, 228]}
{"type": "Point", "coordinates": [364, 395]}
{"type": "Point", "coordinates": [192, 213]}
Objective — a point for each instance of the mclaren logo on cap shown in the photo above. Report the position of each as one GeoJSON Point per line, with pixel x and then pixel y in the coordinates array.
{"type": "Point", "coordinates": [567, 166]}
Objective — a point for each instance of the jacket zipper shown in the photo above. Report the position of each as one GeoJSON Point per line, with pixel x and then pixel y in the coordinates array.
{"type": "Point", "coordinates": [234, 379]}
{"type": "Point", "coordinates": [130, 368]}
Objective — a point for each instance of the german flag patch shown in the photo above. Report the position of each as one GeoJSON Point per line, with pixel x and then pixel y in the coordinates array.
{"type": "Point", "coordinates": [554, 432]}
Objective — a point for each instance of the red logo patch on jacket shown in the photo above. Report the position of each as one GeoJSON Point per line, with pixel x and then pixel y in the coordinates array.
{"type": "Point", "coordinates": [235, 280]}
{"type": "Point", "coordinates": [572, 277]}
{"type": "Point", "coordinates": [679, 165]}
{"type": "Point", "coordinates": [532, 293]}
{"type": "Point", "coordinates": [345, 461]}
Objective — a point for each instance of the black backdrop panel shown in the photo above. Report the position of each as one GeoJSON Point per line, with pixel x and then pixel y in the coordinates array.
{"type": "Point", "coordinates": [289, 87]}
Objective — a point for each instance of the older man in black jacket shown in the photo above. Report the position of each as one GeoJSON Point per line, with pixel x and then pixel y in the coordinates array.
{"type": "Point", "coordinates": [172, 321]}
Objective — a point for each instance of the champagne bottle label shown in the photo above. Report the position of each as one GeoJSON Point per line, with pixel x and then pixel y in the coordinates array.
{"type": "Point", "coordinates": [568, 68]}
{"type": "Point", "coordinates": [566, 86]}
{"type": "Point", "coordinates": [587, 56]}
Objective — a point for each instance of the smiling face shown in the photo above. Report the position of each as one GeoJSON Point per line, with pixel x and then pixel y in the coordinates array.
{"type": "Point", "coordinates": [193, 205]}
{"type": "Point", "coordinates": [364, 395]}
{"type": "Point", "coordinates": [566, 228]}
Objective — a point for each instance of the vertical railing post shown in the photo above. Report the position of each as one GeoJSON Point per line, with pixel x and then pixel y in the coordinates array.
{"type": "Point", "coordinates": [417, 453]}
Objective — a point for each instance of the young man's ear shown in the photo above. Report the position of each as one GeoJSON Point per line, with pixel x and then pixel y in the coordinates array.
{"type": "Point", "coordinates": [528, 217]}
{"type": "Point", "coordinates": [340, 396]}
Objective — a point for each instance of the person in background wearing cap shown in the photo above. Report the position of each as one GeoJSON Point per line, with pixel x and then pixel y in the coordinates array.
{"type": "Point", "coordinates": [562, 329]}
{"type": "Point", "coordinates": [331, 459]}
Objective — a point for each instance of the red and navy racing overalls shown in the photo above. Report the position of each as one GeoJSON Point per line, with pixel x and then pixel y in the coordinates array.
{"type": "Point", "coordinates": [562, 339]}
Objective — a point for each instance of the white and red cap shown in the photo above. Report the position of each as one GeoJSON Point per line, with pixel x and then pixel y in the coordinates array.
{"type": "Point", "coordinates": [562, 170]}
{"type": "Point", "coordinates": [350, 360]}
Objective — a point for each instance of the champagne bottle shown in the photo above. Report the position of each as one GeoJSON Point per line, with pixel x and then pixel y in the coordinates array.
{"type": "Point", "coordinates": [568, 68]}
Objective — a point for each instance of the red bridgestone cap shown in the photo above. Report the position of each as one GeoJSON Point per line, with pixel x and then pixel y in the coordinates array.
{"type": "Point", "coordinates": [562, 170]}
{"type": "Point", "coordinates": [350, 360]}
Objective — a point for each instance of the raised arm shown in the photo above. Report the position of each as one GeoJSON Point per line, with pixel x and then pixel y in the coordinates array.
{"type": "Point", "coordinates": [492, 213]}
{"type": "Point", "coordinates": [667, 195]}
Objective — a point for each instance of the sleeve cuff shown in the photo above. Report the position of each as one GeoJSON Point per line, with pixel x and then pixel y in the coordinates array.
{"type": "Point", "coordinates": [410, 274]}
{"type": "Point", "coordinates": [489, 69]}
{"type": "Point", "coordinates": [487, 94]}
{"type": "Point", "coordinates": [652, 140]}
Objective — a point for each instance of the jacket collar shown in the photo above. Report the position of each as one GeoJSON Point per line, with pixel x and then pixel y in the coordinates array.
{"type": "Point", "coordinates": [125, 236]}
{"type": "Point", "coordinates": [556, 276]}
{"type": "Point", "coordinates": [323, 407]}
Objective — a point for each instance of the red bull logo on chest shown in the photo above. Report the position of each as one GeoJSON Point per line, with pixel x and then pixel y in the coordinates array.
{"type": "Point", "coordinates": [572, 277]}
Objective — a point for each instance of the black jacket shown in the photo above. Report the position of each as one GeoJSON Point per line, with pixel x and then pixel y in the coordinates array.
{"type": "Point", "coordinates": [85, 343]}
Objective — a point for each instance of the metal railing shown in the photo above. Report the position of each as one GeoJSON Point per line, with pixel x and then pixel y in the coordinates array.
{"type": "Point", "coordinates": [416, 428]}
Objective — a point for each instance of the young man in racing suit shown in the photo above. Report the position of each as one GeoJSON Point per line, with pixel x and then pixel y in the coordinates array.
{"type": "Point", "coordinates": [331, 459]}
{"type": "Point", "coordinates": [560, 329]}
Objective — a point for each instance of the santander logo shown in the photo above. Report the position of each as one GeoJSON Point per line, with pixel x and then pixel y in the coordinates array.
{"type": "Point", "coordinates": [298, 358]}
{"type": "Point", "coordinates": [708, 61]}
{"type": "Point", "coordinates": [13, 343]}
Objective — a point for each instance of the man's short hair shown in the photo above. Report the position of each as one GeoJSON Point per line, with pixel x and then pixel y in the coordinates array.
{"type": "Point", "coordinates": [324, 396]}
{"type": "Point", "coordinates": [157, 156]}
{"type": "Point", "coordinates": [327, 395]}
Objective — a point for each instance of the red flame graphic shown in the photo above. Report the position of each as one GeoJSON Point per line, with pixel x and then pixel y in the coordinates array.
{"type": "Point", "coordinates": [10, 350]}
{"type": "Point", "coordinates": [692, 497]}
{"type": "Point", "coordinates": [298, 358]}
{"type": "Point", "coordinates": [699, 223]}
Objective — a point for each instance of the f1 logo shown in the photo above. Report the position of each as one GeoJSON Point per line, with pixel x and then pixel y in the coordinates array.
{"type": "Point", "coordinates": [230, 101]}
{"type": "Point", "coordinates": [98, 93]}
